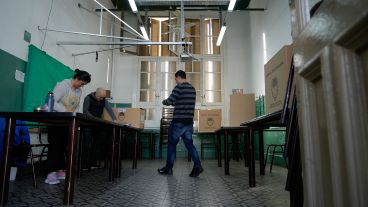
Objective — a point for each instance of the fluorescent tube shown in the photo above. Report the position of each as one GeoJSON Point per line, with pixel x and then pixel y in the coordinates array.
{"type": "Point", "coordinates": [231, 5]}
{"type": "Point", "coordinates": [133, 6]}
{"type": "Point", "coordinates": [222, 33]}
{"type": "Point", "coordinates": [144, 33]}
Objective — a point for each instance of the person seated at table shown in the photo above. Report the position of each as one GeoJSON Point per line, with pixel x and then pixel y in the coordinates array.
{"type": "Point", "coordinates": [67, 95]}
{"type": "Point", "coordinates": [95, 142]}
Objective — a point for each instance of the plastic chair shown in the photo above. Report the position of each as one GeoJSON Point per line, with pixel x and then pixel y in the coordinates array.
{"type": "Point", "coordinates": [274, 146]}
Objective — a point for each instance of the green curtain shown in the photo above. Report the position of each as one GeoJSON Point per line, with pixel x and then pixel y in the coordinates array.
{"type": "Point", "coordinates": [42, 74]}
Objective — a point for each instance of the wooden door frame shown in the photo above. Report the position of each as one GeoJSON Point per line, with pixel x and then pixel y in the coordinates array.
{"type": "Point", "coordinates": [333, 106]}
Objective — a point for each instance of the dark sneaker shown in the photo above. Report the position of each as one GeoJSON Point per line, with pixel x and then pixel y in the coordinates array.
{"type": "Point", "coordinates": [196, 171]}
{"type": "Point", "coordinates": [165, 171]}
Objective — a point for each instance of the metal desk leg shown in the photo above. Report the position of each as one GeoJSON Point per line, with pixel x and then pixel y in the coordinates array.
{"type": "Point", "coordinates": [226, 150]}
{"type": "Point", "coordinates": [112, 156]}
{"type": "Point", "coordinates": [246, 148]}
{"type": "Point", "coordinates": [150, 146]}
{"type": "Point", "coordinates": [153, 146]}
{"type": "Point", "coordinates": [119, 152]}
{"type": "Point", "coordinates": [252, 170]}
{"type": "Point", "coordinates": [71, 158]}
{"type": "Point", "coordinates": [261, 153]}
{"type": "Point", "coordinates": [135, 150]}
{"type": "Point", "coordinates": [81, 154]}
{"type": "Point", "coordinates": [5, 162]}
{"type": "Point", "coordinates": [219, 158]}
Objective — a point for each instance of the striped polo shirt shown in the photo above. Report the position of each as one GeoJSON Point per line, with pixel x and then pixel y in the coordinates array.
{"type": "Point", "coordinates": [183, 98]}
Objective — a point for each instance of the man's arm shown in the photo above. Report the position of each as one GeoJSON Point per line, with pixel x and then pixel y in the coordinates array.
{"type": "Point", "coordinates": [109, 110]}
{"type": "Point", "coordinates": [172, 98]}
{"type": "Point", "coordinates": [86, 104]}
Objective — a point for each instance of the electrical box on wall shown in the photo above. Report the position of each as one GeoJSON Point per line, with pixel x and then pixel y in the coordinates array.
{"type": "Point", "coordinates": [27, 36]}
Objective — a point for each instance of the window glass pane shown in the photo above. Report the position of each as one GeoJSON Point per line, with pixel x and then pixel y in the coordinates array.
{"type": "Point", "coordinates": [213, 96]}
{"type": "Point", "coordinates": [196, 44]}
{"type": "Point", "coordinates": [196, 66]}
{"type": "Point", "coordinates": [159, 31]}
{"type": "Point", "coordinates": [212, 66]}
{"type": "Point", "coordinates": [194, 79]}
{"type": "Point", "coordinates": [193, 34]}
{"type": "Point", "coordinates": [148, 80]}
{"type": "Point", "coordinates": [147, 96]}
{"type": "Point", "coordinates": [150, 113]}
{"type": "Point", "coordinates": [155, 37]}
{"type": "Point", "coordinates": [213, 81]}
{"type": "Point", "coordinates": [167, 82]}
{"type": "Point", "coordinates": [188, 67]}
{"type": "Point", "coordinates": [165, 94]}
{"type": "Point", "coordinates": [147, 66]}
{"type": "Point", "coordinates": [212, 30]}
{"type": "Point", "coordinates": [193, 66]}
{"type": "Point", "coordinates": [168, 66]}
{"type": "Point", "coordinates": [192, 27]}
{"type": "Point", "coordinates": [168, 69]}
{"type": "Point", "coordinates": [198, 96]}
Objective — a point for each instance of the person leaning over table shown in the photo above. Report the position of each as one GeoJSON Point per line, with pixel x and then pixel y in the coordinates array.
{"type": "Point", "coordinates": [67, 95]}
{"type": "Point", "coordinates": [95, 142]}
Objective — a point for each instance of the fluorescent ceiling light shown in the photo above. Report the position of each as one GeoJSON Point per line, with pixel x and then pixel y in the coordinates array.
{"type": "Point", "coordinates": [133, 6]}
{"type": "Point", "coordinates": [222, 33]}
{"type": "Point", "coordinates": [231, 5]}
{"type": "Point", "coordinates": [144, 33]}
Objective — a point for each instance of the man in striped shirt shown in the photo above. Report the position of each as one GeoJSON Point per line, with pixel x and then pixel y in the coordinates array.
{"type": "Point", "coordinates": [183, 98]}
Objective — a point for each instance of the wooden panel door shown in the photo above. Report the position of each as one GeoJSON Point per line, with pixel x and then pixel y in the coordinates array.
{"type": "Point", "coordinates": [331, 51]}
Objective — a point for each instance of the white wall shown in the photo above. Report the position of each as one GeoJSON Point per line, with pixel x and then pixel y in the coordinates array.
{"type": "Point", "coordinates": [276, 24]}
{"type": "Point", "coordinates": [236, 47]}
{"type": "Point", "coordinates": [16, 16]}
{"type": "Point", "coordinates": [125, 79]}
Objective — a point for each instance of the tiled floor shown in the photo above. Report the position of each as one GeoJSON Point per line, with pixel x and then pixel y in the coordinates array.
{"type": "Point", "coordinates": [145, 187]}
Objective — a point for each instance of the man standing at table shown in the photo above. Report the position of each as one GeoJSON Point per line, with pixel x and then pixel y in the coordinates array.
{"type": "Point", "coordinates": [95, 142]}
{"type": "Point", "coordinates": [183, 98]}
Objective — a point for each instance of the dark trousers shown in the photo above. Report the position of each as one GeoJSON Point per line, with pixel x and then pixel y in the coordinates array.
{"type": "Point", "coordinates": [185, 131]}
{"type": "Point", "coordinates": [58, 141]}
{"type": "Point", "coordinates": [95, 146]}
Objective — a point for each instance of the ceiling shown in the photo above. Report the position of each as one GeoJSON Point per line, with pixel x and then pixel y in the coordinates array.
{"type": "Point", "coordinates": [158, 5]}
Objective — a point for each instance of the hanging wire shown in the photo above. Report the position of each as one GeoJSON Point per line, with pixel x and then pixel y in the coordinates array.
{"type": "Point", "coordinates": [47, 24]}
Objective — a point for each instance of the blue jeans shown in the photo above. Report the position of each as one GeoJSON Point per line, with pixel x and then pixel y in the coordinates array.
{"type": "Point", "coordinates": [184, 131]}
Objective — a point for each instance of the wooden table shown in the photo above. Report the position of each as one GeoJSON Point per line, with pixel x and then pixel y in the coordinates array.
{"type": "Point", "coordinates": [226, 131]}
{"type": "Point", "coordinates": [71, 120]}
{"type": "Point", "coordinates": [259, 124]}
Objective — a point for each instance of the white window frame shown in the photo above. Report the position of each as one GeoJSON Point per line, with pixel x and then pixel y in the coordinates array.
{"type": "Point", "coordinates": [180, 66]}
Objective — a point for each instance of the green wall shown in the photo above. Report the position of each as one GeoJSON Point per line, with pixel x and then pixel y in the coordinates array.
{"type": "Point", "coordinates": [11, 90]}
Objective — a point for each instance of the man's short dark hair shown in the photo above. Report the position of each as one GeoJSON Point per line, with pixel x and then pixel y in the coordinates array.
{"type": "Point", "coordinates": [181, 74]}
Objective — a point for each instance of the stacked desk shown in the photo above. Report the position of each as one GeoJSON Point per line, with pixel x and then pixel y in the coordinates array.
{"type": "Point", "coordinates": [259, 124]}
{"type": "Point", "coordinates": [225, 131]}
